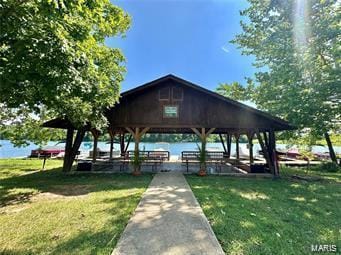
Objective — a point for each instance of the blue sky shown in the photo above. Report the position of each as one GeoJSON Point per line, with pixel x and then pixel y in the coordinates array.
{"type": "Point", "coordinates": [187, 38]}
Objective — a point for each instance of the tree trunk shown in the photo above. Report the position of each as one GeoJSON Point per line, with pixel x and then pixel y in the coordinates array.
{"type": "Point", "coordinates": [68, 149]}
{"type": "Point", "coordinates": [122, 144]}
{"type": "Point", "coordinates": [272, 150]}
{"type": "Point", "coordinates": [111, 147]}
{"type": "Point", "coordinates": [127, 145]}
{"type": "Point", "coordinates": [94, 150]}
{"type": "Point", "coordinates": [71, 148]}
{"type": "Point", "coordinates": [330, 147]}
{"type": "Point", "coordinates": [265, 152]}
{"type": "Point", "coordinates": [95, 134]}
{"type": "Point", "coordinates": [250, 137]}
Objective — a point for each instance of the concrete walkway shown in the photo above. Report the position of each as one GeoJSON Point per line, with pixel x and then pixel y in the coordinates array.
{"type": "Point", "coordinates": [168, 220]}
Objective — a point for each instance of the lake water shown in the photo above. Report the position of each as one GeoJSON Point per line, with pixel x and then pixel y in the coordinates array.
{"type": "Point", "coordinates": [7, 150]}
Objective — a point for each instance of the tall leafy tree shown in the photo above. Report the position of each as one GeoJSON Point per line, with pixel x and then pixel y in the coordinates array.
{"type": "Point", "coordinates": [297, 45]}
{"type": "Point", "coordinates": [234, 90]}
{"type": "Point", "coordinates": [54, 61]}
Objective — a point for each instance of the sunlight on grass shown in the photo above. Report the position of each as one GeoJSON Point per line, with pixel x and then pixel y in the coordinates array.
{"type": "Point", "coordinates": [250, 196]}
{"type": "Point", "coordinates": [263, 216]}
{"type": "Point", "coordinates": [247, 224]}
{"type": "Point", "coordinates": [298, 199]}
{"type": "Point", "coordinates": [50, 212]}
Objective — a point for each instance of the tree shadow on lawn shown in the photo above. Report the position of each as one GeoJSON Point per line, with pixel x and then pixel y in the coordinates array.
{"type": "Point", "coordinates": [87, 240]}
{"type": "Point", "coordinates": [103, 241]}
{"type": "Point", "coordinates": [270, 217]}
{"type": "Point", "coordinates": [21, 189]}
{"type": "Point", "coordinates": [92, 236]}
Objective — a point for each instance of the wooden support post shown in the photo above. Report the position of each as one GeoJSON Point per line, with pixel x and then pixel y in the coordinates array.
{"type": "Point", "coordinates": [111, 147]}
{"type": "Point", "coordinates": [250, 137]}
{"type": "Point", "coordinates": [203, 137]}
{"type": "Point", "coordinates": [137, 134]}
{"type": "Point", "coordinates": [137, 142]}
{"type": "Point", "coordinates": [95, 133]}
{"type": "Point", "coordinates": [237, 145]}
{"type": "Point", "coordinates": [223, 143]}
{"type": "Point", "coordinates": [202, 170]}
{"type": "Point", "coordinates": [122, 143]}
{"type": "Point", "coordinates": [266, 140]}
{"type": "Point", "coordinates": [228, 143]}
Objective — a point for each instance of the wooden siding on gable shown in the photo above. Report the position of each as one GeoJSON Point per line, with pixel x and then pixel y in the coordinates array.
{"type": "Point", "coordinates": [197, 106]}
{"type": "Point", "coordinates": [196, 109]}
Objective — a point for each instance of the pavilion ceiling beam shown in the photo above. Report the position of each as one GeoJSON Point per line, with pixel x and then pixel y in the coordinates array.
{"type": "Point", "coordinates": [203, 134]}
{"type": "Point", "coordinates": [145, 130]}
{"type": "Point", "coordinates": [196, 131]}
{"type": "Point", "coordinates": [137, 134]}
{"type": "Point", "coordinates": [210, 131]}
{"type": "Point", "coordinates": [132, 132]}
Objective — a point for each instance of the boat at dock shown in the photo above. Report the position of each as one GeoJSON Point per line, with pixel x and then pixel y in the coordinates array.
{"type": "Point", "coordinates": [47, 151]}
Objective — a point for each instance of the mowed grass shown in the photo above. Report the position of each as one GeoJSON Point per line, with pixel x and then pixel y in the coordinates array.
{"type": "Point", "coordinates": [312, 172]}
{"type": "Point", "coordinates": [265, 216]}
{"type": "Point", "coordinates": [48, 212]}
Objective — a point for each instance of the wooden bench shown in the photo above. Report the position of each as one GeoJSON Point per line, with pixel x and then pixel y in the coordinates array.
{"type": "Point", "coordinates": [162, 155]}
{"type": "Point", "coordinates": [212, 157]}
{"type": "Point", "coordinates": [154, 162]}
{"type": "Point", "coordinates": [150, 158]}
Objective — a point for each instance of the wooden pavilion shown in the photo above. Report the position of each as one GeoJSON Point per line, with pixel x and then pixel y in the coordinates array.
{"type": "Point", "coordinates": [173, 105]}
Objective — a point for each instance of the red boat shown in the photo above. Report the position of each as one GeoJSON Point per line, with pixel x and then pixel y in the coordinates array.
{"type": "Point", "coordinates": [293, 153]}
{"type": "Point", "coordinates": [48, 151]}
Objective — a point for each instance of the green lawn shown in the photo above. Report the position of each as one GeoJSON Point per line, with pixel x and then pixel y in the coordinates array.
{"type": "Point", "coordinates": [265, 216]}
{"type": "Point", "coordinates": [48, 212]}
{"type": "Point", "coordinates": [287, 172]}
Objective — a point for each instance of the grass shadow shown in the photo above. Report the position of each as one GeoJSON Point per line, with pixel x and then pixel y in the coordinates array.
{"type": "Point", "coordinates": [61, 213]}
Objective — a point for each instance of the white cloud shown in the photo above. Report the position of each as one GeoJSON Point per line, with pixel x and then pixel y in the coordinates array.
{"type": "Point", "coordinates": [224, 48]}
